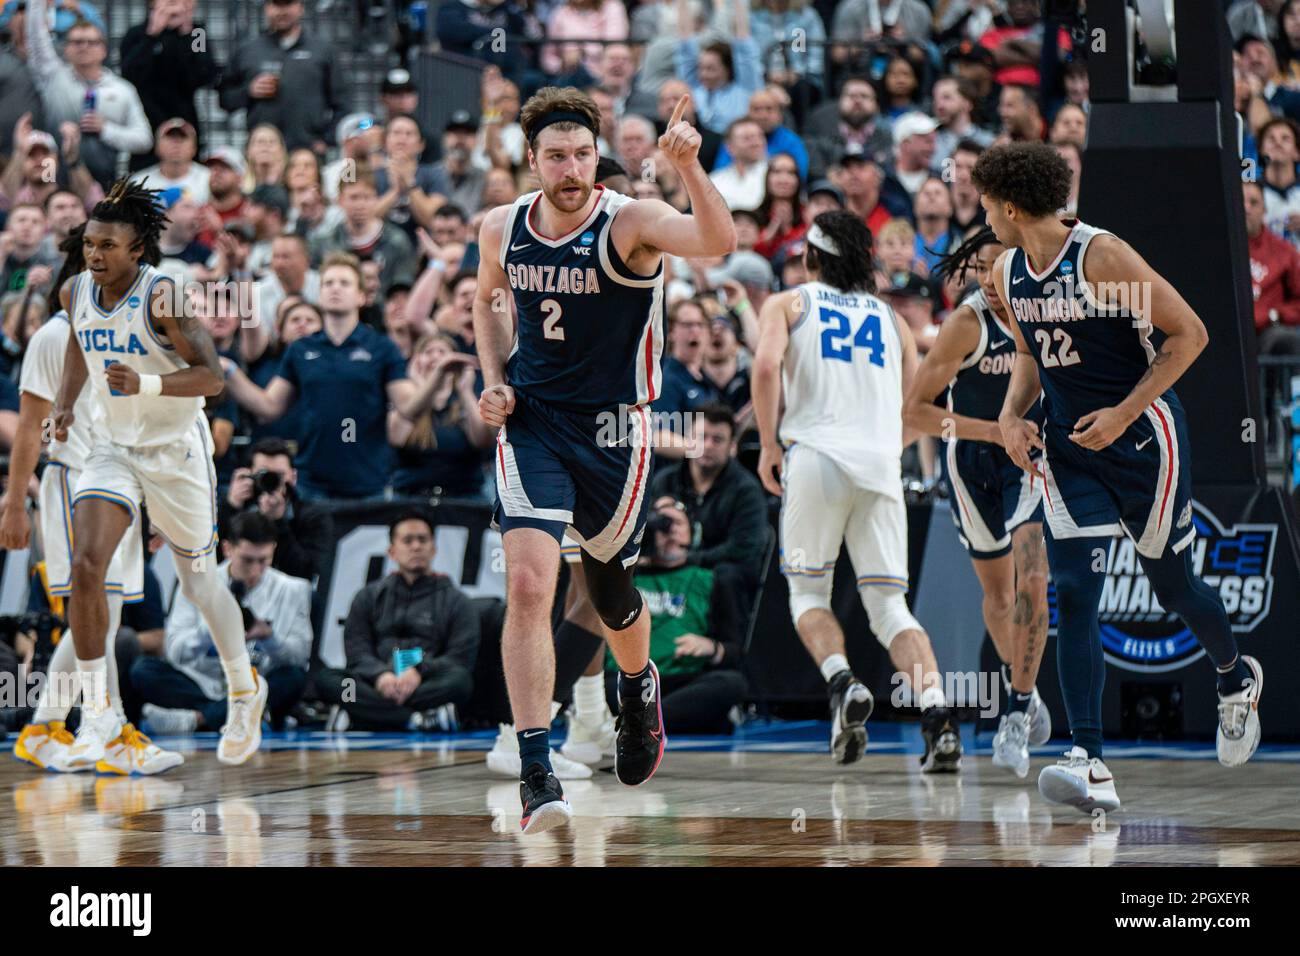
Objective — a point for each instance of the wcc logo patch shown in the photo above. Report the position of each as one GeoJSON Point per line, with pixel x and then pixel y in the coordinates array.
{"type": "Point", "coordinates": [1137, 634]}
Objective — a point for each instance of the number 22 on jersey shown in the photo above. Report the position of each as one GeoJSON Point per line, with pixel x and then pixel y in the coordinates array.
{"type": "Point", "coordinates": [836, 328]}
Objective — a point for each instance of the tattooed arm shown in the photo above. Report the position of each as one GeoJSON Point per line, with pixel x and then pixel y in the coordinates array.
{"type": "Point", "coordinates": [192, 343]}
{"type": "Point", "coordinates": [1154, 301]}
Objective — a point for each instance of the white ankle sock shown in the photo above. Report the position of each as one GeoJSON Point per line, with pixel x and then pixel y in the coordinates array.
{"type": "Point", "coordinates": [239, 674]}
{"type": "Point", "coordinates": [589, 698]}
{"type": "Point", "coordinates": [833, 665]}
{"type": "Point", "coordinates": [94, 684]}
{"type": "Point", "coordinates": [932, 697]}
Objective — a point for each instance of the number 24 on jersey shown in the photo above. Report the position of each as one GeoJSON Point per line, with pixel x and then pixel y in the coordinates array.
{"type": "Point", "coordinates": [836, 329]}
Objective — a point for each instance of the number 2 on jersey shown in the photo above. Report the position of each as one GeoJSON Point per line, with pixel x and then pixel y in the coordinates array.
{"type": "Point", "coordinates": [551, 324]}
{"type": "Point", "coordinates": [836, 328]}
{"type": "Point", "coordinates": [1065, 353]}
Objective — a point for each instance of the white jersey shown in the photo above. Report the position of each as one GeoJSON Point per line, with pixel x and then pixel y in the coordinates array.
{"type": "Point", "coordinates": [126, 335]}
{"type": "Point", "coordinates": [843, 378]}
{"type": "Point", "coordinates": [42, 372]}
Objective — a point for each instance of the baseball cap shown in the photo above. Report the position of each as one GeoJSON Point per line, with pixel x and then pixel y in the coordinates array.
{"type": "Point", "coordinates": [914, 123]}
{"type": "Point", "coordinates": [969, 51]}
{"type": "Point", "coordinates": [352, 125]}
{"type": "Point", "coordinates": [174, 124]}
{"type": "Point", "coordinates": [242, 229]}
{"type": "Point", "coordinates": [227, 156]}
{"type": "Point", "coordinates": [855, 153]}
{"type": "Point", "coordinates": [461, 120]}
{"type": "Point", "coordinates": [38, 137]}
{"type": "Point", "coordinates": [827, 187]}
{"type": "Point", "coordinates": [747, 268]}
{"type": "Point", "coordinates": [271, 196]}
{"type": "Point", "coordinates": [397, 81]}
{"type": "Point", "coordinates": [908, 285]}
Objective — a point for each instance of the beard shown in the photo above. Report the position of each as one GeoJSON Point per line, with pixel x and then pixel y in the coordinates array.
{"type": "Point", "coordinates": [568, 202]}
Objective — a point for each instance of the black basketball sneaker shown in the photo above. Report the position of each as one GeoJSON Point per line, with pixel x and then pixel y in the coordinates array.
{"type": "Point", "coordinates": [640, 744]}
{"type": "Point", "coordinates": [851, 705]}
{"type": "Point", "coordinates": [544, 805]}
{"type": "Point", "coordinates": [942, 741]}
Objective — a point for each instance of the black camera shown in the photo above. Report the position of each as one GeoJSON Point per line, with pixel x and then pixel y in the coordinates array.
{"type": "Point", "coordinates": [42, 622]}
{"type": "Point", "coordinates": [267, 482]}
{"type": "Point", "coordinates": [658, 523]}
{"type": "Point", "coordinates": [239, 589]}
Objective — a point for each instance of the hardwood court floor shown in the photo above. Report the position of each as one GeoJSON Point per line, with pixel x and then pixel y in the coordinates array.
{"type": "Point", "coordinates": [769, 798]}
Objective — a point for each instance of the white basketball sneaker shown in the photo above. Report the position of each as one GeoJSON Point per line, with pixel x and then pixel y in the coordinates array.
{"type": "Point", "coordinates": [43, 745]}
{"type": "Point", "coordinates": [1040, 721]}
{"type": "Point", "coordinates": [132, 753]}
{"type": "Point", "coordinates": [1011, 744]}
{"type": "Point", "coordinates": [1238, 734]}
{"type": "Point", "coordinates": [589, 740]}
{"type": "Point", "coordinates": [503, 759]}
{"type": "Point", "coordinates": [94, 735]}
{"type": "Point", "coordinates": [1079, 782]}
{"type": "Point", "coordinates": [242, 734]}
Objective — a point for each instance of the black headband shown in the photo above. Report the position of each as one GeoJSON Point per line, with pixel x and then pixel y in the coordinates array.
{"type": "Point", "coordinates": [562, 116]}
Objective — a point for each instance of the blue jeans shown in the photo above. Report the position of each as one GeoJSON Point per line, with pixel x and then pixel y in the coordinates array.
{"type": "Point", "coordinates": [158, 682]}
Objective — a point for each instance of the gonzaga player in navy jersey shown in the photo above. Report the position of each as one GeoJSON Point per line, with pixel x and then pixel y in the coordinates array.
{"type": "Point", "coordinates": [1115, 445]}
{"type": "Point", "coordinates": [147, 365]}
{"type": "Point", "coordinates": [996, 508]}
{"type": "Point", "coordinates": [570, 389]}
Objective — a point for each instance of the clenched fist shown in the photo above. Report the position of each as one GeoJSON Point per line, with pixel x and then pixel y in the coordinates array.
{"type": "Point", "coordinates": [496, 404]}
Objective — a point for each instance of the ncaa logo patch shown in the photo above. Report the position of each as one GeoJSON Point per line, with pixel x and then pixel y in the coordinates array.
{"type": "Point", "coordinates": [1067, 267]}
{"type": "Point", "coordinates": [134, 302]}
{"type": "Point", "coordinates": [1137, 634]}
{"type": "Point", "coordinates": [588, 238]}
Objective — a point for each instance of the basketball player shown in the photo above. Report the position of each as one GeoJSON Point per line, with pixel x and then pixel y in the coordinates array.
{"type": "Point", "coordinates": [149, 364]}
{"type": "Point", "coordinates": [997, 509]}
{"type": "Point", "coordinates": [845, 359]}
{"type": "Point", "coordinates": [583, 267]}
{"type": "Point", "coordinates": [45, 742]}
{"type": "Point", "coordinates": [1116, 456]}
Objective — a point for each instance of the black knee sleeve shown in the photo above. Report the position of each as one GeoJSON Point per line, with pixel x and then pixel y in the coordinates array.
{"type": "Point", "coordinates": [612, 593]}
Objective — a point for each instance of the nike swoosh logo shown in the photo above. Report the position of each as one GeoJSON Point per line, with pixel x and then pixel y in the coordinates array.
{"type": "Point", "coordinates": [1093, 779]}
{"type": "Point", "coordinates": [533, 734]}
{"type": "Point", "coordinates": [523, 246]}
{"type": "Point", "coordinates": [1017, 280]}
{"type": "Point", "coordinates": [997, 345]}
{"type": "Point", "coordinates": [1142, 444]}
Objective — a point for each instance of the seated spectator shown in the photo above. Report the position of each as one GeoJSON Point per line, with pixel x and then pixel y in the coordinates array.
{"type": "Point", "coordinates": [582, 20]}
{"type": "Point", "coordinates": [695, 642]}
{"type": "Point", "coordinates": [1021, 119]}
{"type": "Point", "coordinates": [364, 234]}
{"type": "Point", "coordinates": [896, 254]}
{"type": "Point", "coordinates": [360, 137]}
{"type": "Point", "coordinates": [747, 229]}
{"type": "Point", "coordinates": [823, 196]}
{"type": "Point", "coordinates": [635, 140]}
{"type": "Point", "coordinates": [742, 182]}
{"type": "Point", "coordinates": [182, 253]}
{"type": "Point", "coordinates": [456, 318]}
{"type": "Point", "coordinates": [726, 506]}
{"type": "Point", "coordinates": [1070, 125]}
{"type": "Point", "coordinates": [955, 101]}
{"type": "Point", "coordinates": [411, 639]}
{"type": "Point", "coordinates": [1259, 61]}
{"type": "Point", "coordinates": [913, 299]}
{"type": "Point", "coordinates": [499, 188]}
{"type": "Point", "coordinates": [227, 202]}
{"type": "Point", "coordinates": [684, 387]}
{"type": "Point", "coordinates": [765, 110]}
{"type": "Point", "coordinates": [345, 451]}
{"type": "Point", "coordinates": [176, 145]}
{"type": "Point", "coordinates": [853, 119]}
{"type": "Point", "coordinates": [1073, 157]}
{"type": "Point", "coordinates": [408, 189]}
{"type": "Point", "coordinates": [455, 176]}
{"type": "Point", "coordinates": [304, 532]}
{"type": "Point", "coordinates": [1275, 280]}
{"type": "Point", "coordinates": [861, 180]}
{"type": "Point", "coordinates": [781, 211]}
{"type": "Point", "coordinates": [1074, 76]}
{"type": "Point", "coordinates": [38, 168]}
{"type": "Point", "coordinates": [967, 210]}
{"type": "Point", "coordinates": [64, 212]}
{"type": "Point", "coordinates": [267, 157]}
{"type": "Point", "coordinates": [267, 213]}
{"type": "Point", "coordinates": [615, 71]}
{"type": "Point", "coordinates": [500, 141]}
{"type": "Point", "coordinates": [290, 274]}
{"type": "Point", "coordinates": [22, 260]}
{"type": "Point", "coordinates": [723, 370]}
{"type": "Point", "coordinates": [81, 91]}
{"type": "Point", "coordinates": [441, 452]}
{"type": "Point", "coordinates": [722, 76]}
{"type": "Point", "coordinates": [185, 690]}
{"type": "Point", "coordinates": [450, 225]}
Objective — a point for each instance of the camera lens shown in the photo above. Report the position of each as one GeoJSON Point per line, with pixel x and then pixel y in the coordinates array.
{"type": "Point", "coordinates": [267, 482]}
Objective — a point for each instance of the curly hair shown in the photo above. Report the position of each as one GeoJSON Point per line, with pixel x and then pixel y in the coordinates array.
{"type": "Point", "coordinates": [550, 99]}
{"type": "Point", "coordinates": [958, 261]}
{"type": "Point", "coordinates": [1031, 176]}
{"type": "Point", "coordinates": [852, 270]}
{"type": "Point", "coordinates": [131, 203]}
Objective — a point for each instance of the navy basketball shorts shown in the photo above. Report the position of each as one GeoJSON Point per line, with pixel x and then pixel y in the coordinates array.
{"type": "Point", "coordinates": [990, 497]}
{"type": "Point", "coordinates": [586, 474]}
{"type": "Point", "coordinates": [1139, 485]}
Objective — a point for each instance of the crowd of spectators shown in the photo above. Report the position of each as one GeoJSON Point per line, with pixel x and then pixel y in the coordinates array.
{"type": "Point", "coordinates": [879, 107]}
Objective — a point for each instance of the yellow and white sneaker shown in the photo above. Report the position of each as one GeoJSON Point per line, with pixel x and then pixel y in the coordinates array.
{"type": "Point", "coordinates": [242, 734]}
{"type": "Point", "coordinates": [42, 745]}
{"type": "Point", "coordinates": [133, 753]}
{"type": "Point", "coordinates": [93, 737]}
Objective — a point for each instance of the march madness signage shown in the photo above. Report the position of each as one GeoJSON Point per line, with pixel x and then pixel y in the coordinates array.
{"type": "Point", "coordinates": [1137, 634]}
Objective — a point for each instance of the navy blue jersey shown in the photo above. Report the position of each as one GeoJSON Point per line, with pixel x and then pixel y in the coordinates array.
{"type": "Point", "coordinates": [981, 382]}
{"type": "Point", "coordinates": [1088, 357]}
{"type": "Point", "coordinates": [590, 329]}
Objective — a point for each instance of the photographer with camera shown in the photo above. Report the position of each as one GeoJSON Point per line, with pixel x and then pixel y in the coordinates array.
{"type": "Point", "coordinates": [694, 636]}
{"type": "Point", "coordinates": [304, 532]}
{"type": "Point", "coordinates": [186, 690]}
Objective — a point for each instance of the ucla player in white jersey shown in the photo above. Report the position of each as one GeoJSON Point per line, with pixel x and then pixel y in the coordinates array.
{"type": "Point", "coordinates": [45, 742]}
{"type": "Point", "coordinates": [148, 364]}
{"type": "Point", "coordinates": [995, 505]}
{"type": "Point", "coordinates": [847, 360]}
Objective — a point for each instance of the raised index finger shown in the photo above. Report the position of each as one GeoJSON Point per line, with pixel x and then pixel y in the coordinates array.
{"type": "Point", "coordinates": [679, 110]}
